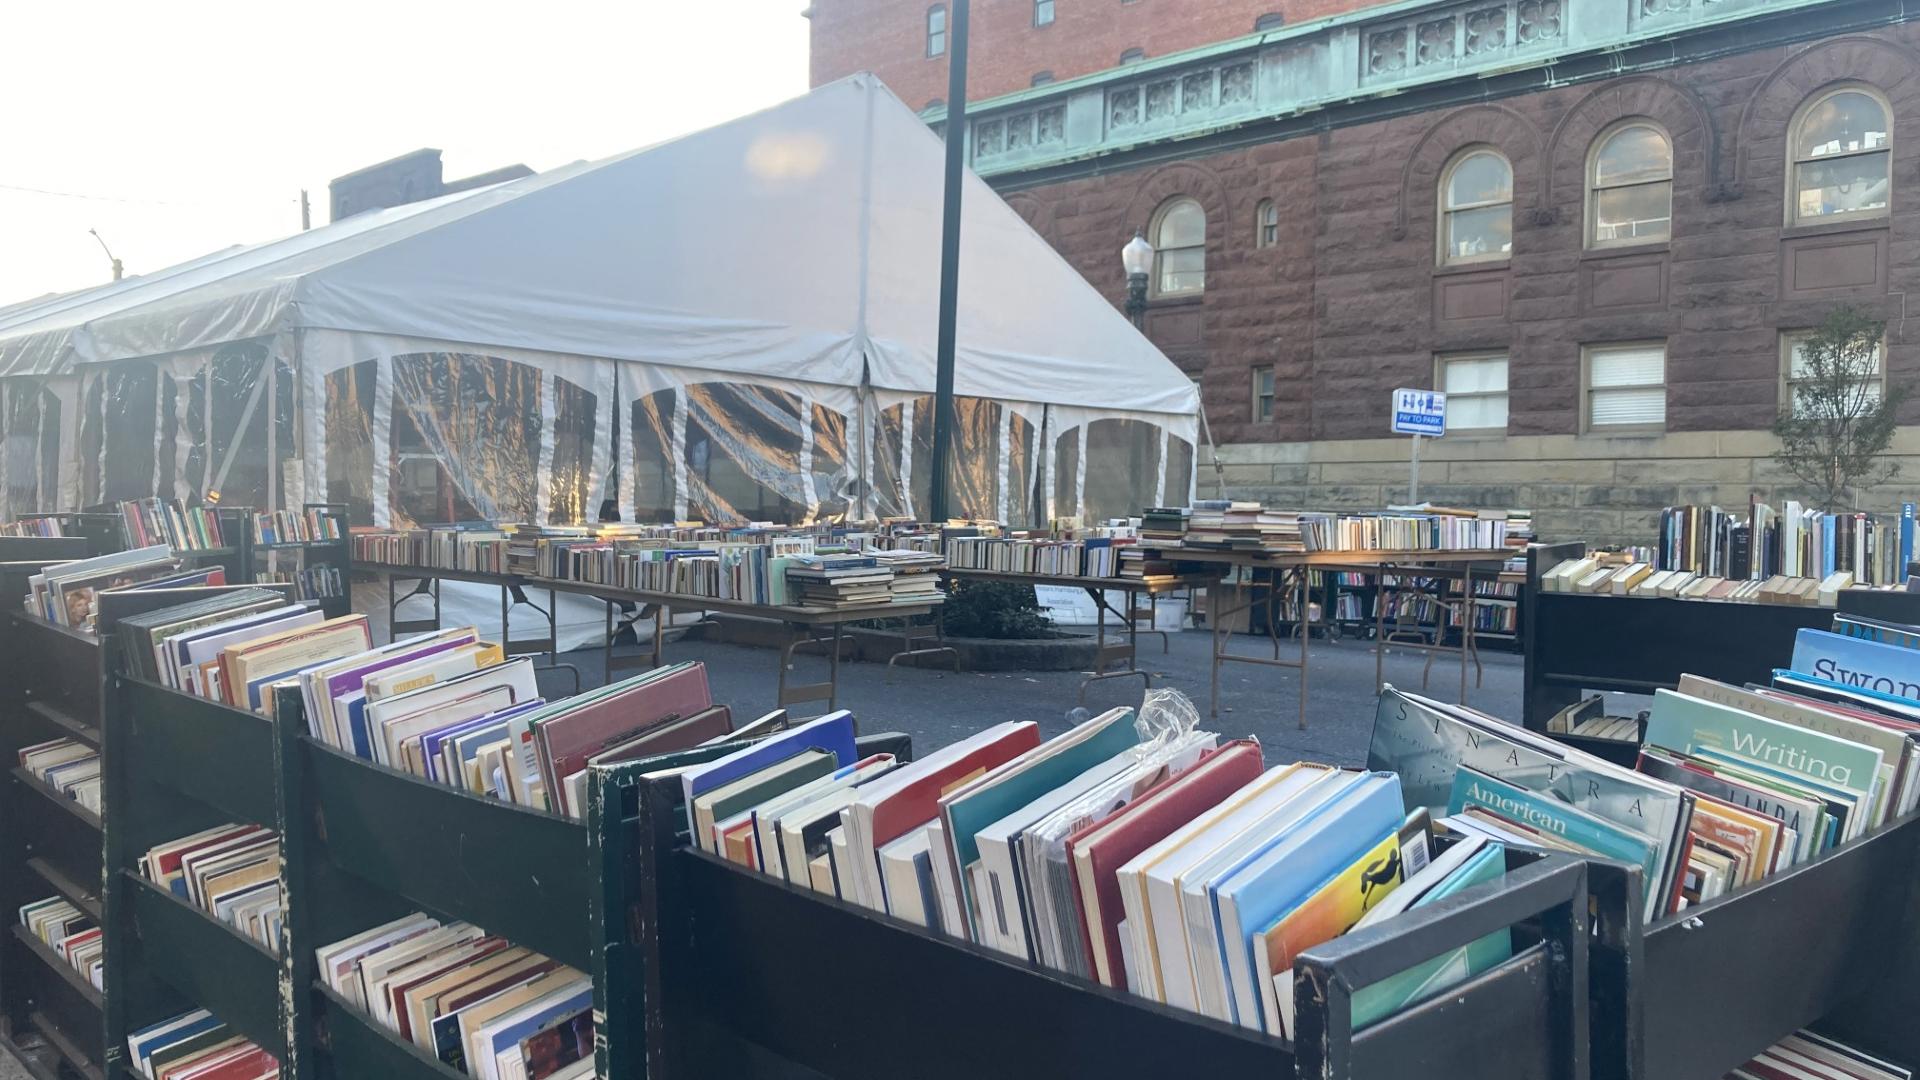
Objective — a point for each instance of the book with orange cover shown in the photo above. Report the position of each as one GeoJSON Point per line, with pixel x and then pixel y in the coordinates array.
{"type": "Point", "coordinates": [1097, 852]}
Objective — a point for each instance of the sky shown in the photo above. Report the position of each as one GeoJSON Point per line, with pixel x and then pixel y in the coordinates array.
{"type": "Point", "coordinates": [180, 128]}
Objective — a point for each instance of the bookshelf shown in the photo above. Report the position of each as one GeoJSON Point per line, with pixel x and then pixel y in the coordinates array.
{"type": "Point", "coordinates": [710, 1004]}
{"type": "Point", "coordinates": [1587, 641]}
{"type": "Point", "coordinates": [177, 764]}
{"type": "Point", "coordinates": [264, 561]}
{"type": "Point", "coordinates": [49, 844]}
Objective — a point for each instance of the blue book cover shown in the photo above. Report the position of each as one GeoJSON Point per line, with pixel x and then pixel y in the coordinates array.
{"type": "Point", "coordinates": [1551, 817]}
{"type": "Point", "coordinates": [1416, 984]}
{"type": "Point", "coordinates": [1826, 544]}
{"type": "Point", "coordinates": [832, 732]}
{"type": "Point", "coordinates": [432, 742]}
{"type": "Point", "coordinates": [1860, 663]}
{"type": "Point", "coordinates": [1808, 685]}
{"type": "Point", "coordinates": [1906, 541]}
{"type": "Point", "coordinates": [1275, 880]}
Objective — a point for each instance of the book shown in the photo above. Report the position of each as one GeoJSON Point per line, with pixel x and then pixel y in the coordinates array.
{"type": "Point", "coordinates": [1443, 879]}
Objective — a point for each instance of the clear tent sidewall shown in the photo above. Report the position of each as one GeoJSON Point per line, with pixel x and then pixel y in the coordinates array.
{"type": "Point", "coordinates": [528, 435]}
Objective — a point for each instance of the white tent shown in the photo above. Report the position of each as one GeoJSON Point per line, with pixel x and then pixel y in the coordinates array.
{"type": "Point", "coordinates": [748, 313]}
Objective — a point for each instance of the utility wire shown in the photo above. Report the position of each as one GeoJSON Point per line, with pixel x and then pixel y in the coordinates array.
{"type": "Point", "coordinates": [117, 199]}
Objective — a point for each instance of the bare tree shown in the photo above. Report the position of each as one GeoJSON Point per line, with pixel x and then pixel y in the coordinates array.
{"type": "Point", "coordinates": [1837, 422]}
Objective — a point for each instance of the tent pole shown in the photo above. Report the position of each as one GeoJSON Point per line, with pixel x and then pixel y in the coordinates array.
{"type": "Point", "coordinates": [956, 135]}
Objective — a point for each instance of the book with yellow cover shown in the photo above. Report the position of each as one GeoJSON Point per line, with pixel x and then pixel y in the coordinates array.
{"type": "Point", "coordinates": [1331, 910]}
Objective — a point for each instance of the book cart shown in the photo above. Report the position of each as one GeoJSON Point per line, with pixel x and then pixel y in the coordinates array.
{"type": "Point", "coordinates": [1833, 944]}
{"type": "Point", "coordinates": [739, 975]}
{"type": "Point", "coordinates": [335, 554]}
{"type": "Point", "coordinates": [49, 844]}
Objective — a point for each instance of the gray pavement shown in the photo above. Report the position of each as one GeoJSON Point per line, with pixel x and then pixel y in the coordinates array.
{"type": "Point", "coordinates": [938, 707]}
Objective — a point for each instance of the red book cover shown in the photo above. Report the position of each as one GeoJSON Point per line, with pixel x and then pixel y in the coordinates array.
{"type": "Point", "coordinates": [1106, 846]}
{"type": "Point", "coordinates": [564, 743]}
{"type": "Point", "coordinates": [237, 1063]}
{"type": "Point", "coordinates": [918, 802]}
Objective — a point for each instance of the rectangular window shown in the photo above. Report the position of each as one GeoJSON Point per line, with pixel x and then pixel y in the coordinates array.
{"type": "Point", "coordinates": [1476, 389]}
{"type": "Point", "coordinates": [1857, 396]}
{"type": "Point", "coordinates": [937, 30]}
{"type": "Point", "coordinates": [1262, 394]}
{"type": "Point", "coordinates": [1042, 12]}
{"type": "Point", "coordinates": [1626, 386]}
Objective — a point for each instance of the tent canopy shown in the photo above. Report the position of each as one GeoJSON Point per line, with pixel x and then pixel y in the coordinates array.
{"type": "Point", "coordinates": [799, 243]}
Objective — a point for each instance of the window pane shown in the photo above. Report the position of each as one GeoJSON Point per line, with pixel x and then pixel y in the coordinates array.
{"type": "Point", "coordinates": [1474, 376]}
{"type": "Point", "coordinates": [1632, 155]}
{"type": "Point", "coordinates": [1263, 381]}
{"type": "Point", "coordinates": [1867, 395]}
{"type": "Point", "coordinates": [937, 20]}
{"type": "Point", "coordinates": [1486, 231]}
{"type": "Point", "coordinates": [1613, 407]}
{"type": "Point", "coordinates": [1477, 412]}
{"type": "Point", "coordinates": [1638, 366]}
{"type": "Point", "coordinates": [1847, 122]}
{"type": "Point", "coordinates": [1042, 12]}
{"type": "Point", "coordinates": [1843, 185]}
{"type": "Point", "coordinates": [1643, 212]}
{"type": "Point", "coordinates": [1797, 358]}
{"type": "Point", "coordinates": [1183, 225]}
{"type": "Point", "coordinates": [1480, 178]}
{"type": "Point", "coordinates": [1183, 270]}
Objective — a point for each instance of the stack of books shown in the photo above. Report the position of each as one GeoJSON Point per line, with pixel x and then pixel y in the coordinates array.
{"type": "Point", "coordinates": [70, 767]}
{"type": "Point", "coordinates": [450, 709]}
{"type": "Point", "coordinates": [916, 575]}
{"type": "Point", "coordinates": [1141, 562]}
{"type": "Point", "coordinates": [479, 549]}
{"type": "Point", "coordinates": [1164, 525]}
{"type": "Point", "coordinates": [1224, 525]}
{"type": "Point", "coordinates": [232, 872]}
{"type": "Point", "coordinates": [193, 1046]}
{"type": "Point", "coordinates": [474, 1001]}
{"type": "Point", "coordinates": [33, 526]}
{"type": "Point", "coordinates": [1180, 869]}
{"type": "Point", "coordinates": [236, 647]}
{"type": "Point", "coordinates": [71, 935]}
{"type": "Point", "coordinates": [839, 581]}
{"type": "Point", "coordinates": [1610, 575]}
{"type": "Point", "coordinates": [65, 593]}
{"type": "Point", "coordinates": [1795, 541]}
{"type": "Point", "coordinates": [1806, 1055]}
{"type": "Point", "coordinates": [166, 521]}
{"type": "Point", "coordinates": [295, 527]}
{"type": "Point", "coordinates": [1733, 784]}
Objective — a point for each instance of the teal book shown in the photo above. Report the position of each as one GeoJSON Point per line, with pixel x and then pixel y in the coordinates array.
{"type": "Point", "coordinates": [1689, 724]}
{"type": "Point", "coordinates": [1026, 778]}
{"type": "Point", "coordinates": [1374, 1003]}
{"type": "Point", "coordinates": [1551, 817]}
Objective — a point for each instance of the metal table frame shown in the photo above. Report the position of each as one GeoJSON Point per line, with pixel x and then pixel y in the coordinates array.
{"type": "Point", "coordinates": [1288, 573]}
{"type": "Point", "coordinates": [426, 582]}
{"type": "Point", "coordinates": [800, 624]}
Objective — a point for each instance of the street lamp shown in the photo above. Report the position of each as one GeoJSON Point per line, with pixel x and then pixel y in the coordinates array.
{"type": "Point", "coordinates": [118, 270]}
{"type": "Point", "coordinates": [1137, 257]}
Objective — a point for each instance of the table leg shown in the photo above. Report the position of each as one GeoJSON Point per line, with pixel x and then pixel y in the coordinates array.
{"type": "Point", "coordinates": [659, 634]}
{"type": "Point", "coordinates": [1213, 627]}
{"type": "Point", "coordinates": [606, 668]}
{"type": "Point", "coordinates": [1306, 631]}
{"type": "Point", "coordinates": [1379, 629]}
{"type": "Point", "coordinates": [833, 671]}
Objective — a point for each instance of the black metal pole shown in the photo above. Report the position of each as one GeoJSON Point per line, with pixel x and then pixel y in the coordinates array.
{"type": "Point", "coordinates": [950, 255]}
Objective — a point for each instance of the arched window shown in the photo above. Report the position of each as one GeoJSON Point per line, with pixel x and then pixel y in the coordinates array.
{"type": "Point", "coordinates": [1842, 157]}
{"type": "Point", "coordinates": [1266, 224]}
{"type": "Point", "coordinates": [1272, 20]}
{"type": "Point", "coordinates": [1630, 186]}
{"type": "Point", "coordinates": [1041, 78]}
{"type": "Point", "coordinates": [937, 30]}
{"type": "Point", "coordinates": [1476, 208]}
{"type": "Point", "coordinates": [1132, 56]}
{"type": "Point", "coordinates": [1179, 236]}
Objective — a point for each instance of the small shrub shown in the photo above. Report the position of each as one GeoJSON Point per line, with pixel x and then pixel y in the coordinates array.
{"type": "Point", "coordinates": [995, 610]}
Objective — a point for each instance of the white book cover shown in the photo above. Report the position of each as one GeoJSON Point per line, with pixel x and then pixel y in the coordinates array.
{"type": "Point", "coordinates": [900, 870]}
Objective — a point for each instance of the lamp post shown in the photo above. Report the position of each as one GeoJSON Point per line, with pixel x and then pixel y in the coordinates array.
{"type": "Point", "coordinates": [1137, 258]}
{"type": "Point", "coordinates": [118, 270]}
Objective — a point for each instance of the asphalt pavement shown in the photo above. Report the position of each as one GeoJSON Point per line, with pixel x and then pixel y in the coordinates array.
{"type": "Point", "coordinates": [937, 707]}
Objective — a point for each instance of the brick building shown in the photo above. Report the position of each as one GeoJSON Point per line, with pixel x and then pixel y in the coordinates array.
{"type": "Point", "coordinates": [1016, 44]}
{"type": "Point", "coordinates": [1597, 224]}
{"type": "Point", "coordinates": [408, 178]}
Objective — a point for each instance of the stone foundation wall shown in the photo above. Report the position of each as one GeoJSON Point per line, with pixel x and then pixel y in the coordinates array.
{"type": "Point", "coordinates": [1605, 490]}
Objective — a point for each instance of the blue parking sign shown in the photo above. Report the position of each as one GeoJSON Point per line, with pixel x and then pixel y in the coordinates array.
{"type": "Point", "coordinates": [1419, 412]}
